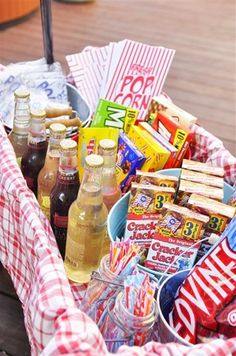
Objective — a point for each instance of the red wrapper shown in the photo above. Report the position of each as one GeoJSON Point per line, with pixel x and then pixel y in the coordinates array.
{"type": "Point", "coordinates": [208, 289]}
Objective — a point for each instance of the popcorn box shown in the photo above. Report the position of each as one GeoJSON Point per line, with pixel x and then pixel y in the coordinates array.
{"type": "Point", "coordinates": [88, 142]}
{"type": "Point", "coordinates": [164, 253]}
{"type": "Point", "coordinates": [110, 114]}
{"type": "Point", "coordinates": [129, 158]}
{"type": "Point", "coordinates": [156, 155]}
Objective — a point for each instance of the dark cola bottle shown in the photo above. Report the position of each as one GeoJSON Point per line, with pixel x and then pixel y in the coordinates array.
{"type": "Point", "coordinates": [34, 157]}
{"type": "Point", "coordinates": [64, 192]}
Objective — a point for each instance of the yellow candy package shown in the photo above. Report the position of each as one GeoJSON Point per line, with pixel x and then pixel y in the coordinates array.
{"type": "Point", "coordinates": [89, 138]}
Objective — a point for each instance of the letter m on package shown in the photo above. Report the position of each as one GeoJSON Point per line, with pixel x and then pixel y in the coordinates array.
{"type": "Point", "coordinates": [115, 117]}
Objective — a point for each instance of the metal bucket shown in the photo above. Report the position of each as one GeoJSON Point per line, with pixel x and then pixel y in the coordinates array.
{"type": "Point", "coordinates": [78, 103]}
{"type": "Point", "coordinates": [165, 300]}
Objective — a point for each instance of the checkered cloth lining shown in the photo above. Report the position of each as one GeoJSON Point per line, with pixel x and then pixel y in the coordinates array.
{"type": "Point", "coordinates": [28, 250]}
{"type": "Point", "coordinates": [207, 148]}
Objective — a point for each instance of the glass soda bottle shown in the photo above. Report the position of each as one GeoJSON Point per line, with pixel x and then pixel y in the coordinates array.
{"type": "Point", "coordinates": [19, 134]}
{"type": "Point", "coordinates": [34, 157]}
{"type": "Point", "coordinates": [111, 189]}
{"type": "Point", "coordinates": [87, 224]}
{"type": "Point", "coordinates": [64, 192]}
{"type": "Point", "coordinates": [48, 174]}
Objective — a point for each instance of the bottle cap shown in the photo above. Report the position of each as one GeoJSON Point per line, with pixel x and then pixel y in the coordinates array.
{"type": "Point", "coordinates": [107, 144]}
{"type": "Point", "coordinates": [57, 128]}
{"type": "Point", "coordinates": [94, 161]}
{"type": "Point", "coordinates": [37, 114]}
{"type": "Point", "coordinates": [22, 93]}
{"type": "Point", "coordinates": [68, 144]}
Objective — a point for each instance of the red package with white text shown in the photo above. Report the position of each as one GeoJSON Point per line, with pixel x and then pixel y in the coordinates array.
{"type": "Point", "coordinates": [207, 290]}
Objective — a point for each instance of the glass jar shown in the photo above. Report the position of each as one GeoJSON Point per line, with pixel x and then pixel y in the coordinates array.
{"type": "Point", "coordinates": [122, 327]}
{"type": "Point", "coordinates": [104, 284]}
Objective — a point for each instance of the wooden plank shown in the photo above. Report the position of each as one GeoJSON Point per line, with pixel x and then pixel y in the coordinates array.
{"type": "Point", "coordinates": [202, 76]}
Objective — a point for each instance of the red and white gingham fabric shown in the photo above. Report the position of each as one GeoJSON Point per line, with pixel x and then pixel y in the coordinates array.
{"type": "Point", "coordinates": [28, 250]}
{"type": "Point", "coordinates": [207, 148]}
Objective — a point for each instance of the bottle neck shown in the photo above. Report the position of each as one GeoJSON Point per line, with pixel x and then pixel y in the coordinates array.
{"type": "Point", "coordinates": [109, 171]}
{"type": "Point", "coordinates": [68, 167]}
{"type": "Point", "coordinates": [90, 192]}
{"type": "Point", "coordinates": [53, 151]}
{"type": "Point", "coordinates": [37, 133]}
{"type": "Point", "coordinates": [21, 116]}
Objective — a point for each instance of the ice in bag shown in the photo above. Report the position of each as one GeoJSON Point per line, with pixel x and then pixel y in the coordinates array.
{"type": "Point", "coordinates": [206, 292]}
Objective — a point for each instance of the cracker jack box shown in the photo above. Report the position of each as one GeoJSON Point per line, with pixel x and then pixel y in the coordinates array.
{"type": "Point", "coordinates": [110, 114]}
{"type": "Point", "coordinates": [171, 254]}
{"type": "Point", "coordinates": [203, 168]}
{"type": "Point", "coordinates": [174, 133]}
{"type": "Point", "coordinates": [144, 210]}
{"type": "Point", "coordinates": [161, 103]}
{"type": "Point", "coordinates": [88, 142]}
{"type": "Point", "coordinates": [178, 221]}
{"type": "Point", "coordinates": [156, 155]}
{"type": "Point", "coordinates": [129, 158]}
{"type": "Point", "coordinates": [219, 213]}
{"type": "Point", "coordinates": [156, 178]}
{"type": "Point", "coordinates": [173, 151]}
{"type": "Point", "coordinates": [186, 188]}
{"type": "Point", "coordinates": [197, 177]}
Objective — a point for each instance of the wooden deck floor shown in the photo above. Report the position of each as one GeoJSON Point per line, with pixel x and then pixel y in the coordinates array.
{"type": "Point", "coordinates": [202, 79]}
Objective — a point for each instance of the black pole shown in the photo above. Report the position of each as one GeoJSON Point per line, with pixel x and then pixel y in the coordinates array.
{"type": "Point", "coordinates": [46, 18]}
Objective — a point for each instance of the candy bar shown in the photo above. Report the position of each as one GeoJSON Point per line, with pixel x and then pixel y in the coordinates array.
{"type": "Point", "coordinates": [156, 155]}
{"type": "Point", "coordinates": [129, 158]}
{"type": "Point", "coordinates": [197, 177]}
{"type": "Point", "coordinates": [156, 178]}
{"type": "Point", "coordinates": [170, 254]}
{"type": "Point", "coordinates": [173, 151]}
{"type": "Point", "coordinates": [203, 167]}
{"type": "Point", "coordinates": [181, 222]}
{"type": "Point", "coordinates": [161, 103]}
{"type": "Point", "coordinates": [145, 208]}
{"type": "Point", "coordinates": [109, 114]}
{"type": "Point", "coordinates": [186, 188]}
{"type": "Point", "coordinates": [174, 133]}
{"type": "Point", "coordinates": [207, 290]}
{"type": "Point", "coordinates": [88, 142]}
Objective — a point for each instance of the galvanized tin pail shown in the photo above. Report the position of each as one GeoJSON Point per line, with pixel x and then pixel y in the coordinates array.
{"type": "Point", "coordinates": [165, 300]}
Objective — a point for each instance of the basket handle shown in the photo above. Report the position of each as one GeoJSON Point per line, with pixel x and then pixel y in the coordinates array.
{"type": "Point", "coordinates": [46, 19]}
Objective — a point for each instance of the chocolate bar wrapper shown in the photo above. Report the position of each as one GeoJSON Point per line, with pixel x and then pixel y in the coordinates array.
{"type": "Point", "coordinates": [219, 214]}
{"type": "Point", "coordinates": [170, 254]}
{"type": "Point", "coordinates": [207, 290]}
{"type": "Point", "coordinates": [197, 177]}
{"type": "Point", "coordinates": [129, 158]}
{"type": "Point", "coordinates": [156, 178]}
{"type": "Point", "coordinates": [110, 114]}
{"type": "Point", "coordinates": [181, 222]}
{"type": "Point", "coordinates": [186, 188]}
{"type": "Point", "coordinates": [203, 168]}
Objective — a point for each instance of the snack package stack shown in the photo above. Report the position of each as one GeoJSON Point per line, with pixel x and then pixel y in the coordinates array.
{"type": "Point", "coordinates": [144, 211]}
{"type": "Point", "coordinates": [173, 123]}
{"type": "Point", "coordinates": [204, 307]}
{"type": "Point", "coordinates": [173, 247]}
